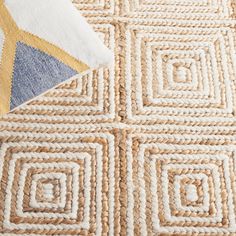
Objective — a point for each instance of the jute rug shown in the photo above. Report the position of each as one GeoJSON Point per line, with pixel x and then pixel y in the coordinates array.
{"type": "Point", "coordinates": [146, 147]}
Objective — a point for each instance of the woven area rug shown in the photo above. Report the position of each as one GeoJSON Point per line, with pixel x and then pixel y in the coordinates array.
{"type": "Point", "coordinates": [146, 147]}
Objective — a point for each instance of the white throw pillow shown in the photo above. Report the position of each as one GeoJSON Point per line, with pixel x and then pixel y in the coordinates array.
{"type": "Point", "coordinates": [43, 43]}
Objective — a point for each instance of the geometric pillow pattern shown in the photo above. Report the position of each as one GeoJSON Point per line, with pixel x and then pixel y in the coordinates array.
{"type": "Point", "coordinates": [146, 146]}
{"type": "Point", "coordinates": [41, 46]}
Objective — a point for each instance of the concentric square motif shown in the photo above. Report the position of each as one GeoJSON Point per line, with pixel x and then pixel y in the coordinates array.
{"type": "Point", "coordinates": [179, 188]}
{"type": "Point", "coordinates": [48, 190]}
{"type": "Point", "coordinates": [178, 72]}
{"type": "Point", "coordinates": [59, 188]}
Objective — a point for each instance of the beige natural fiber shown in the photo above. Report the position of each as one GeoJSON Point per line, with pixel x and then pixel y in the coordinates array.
{"type": "Point", "coordinates": [145, 147]}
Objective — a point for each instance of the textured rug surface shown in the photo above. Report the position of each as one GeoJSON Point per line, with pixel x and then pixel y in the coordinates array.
{"type": "Point", "coordinates": [146, 147]}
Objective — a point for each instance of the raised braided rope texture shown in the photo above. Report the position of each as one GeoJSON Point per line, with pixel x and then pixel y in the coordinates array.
{"type": "Point", "coordinates": [145, 147]}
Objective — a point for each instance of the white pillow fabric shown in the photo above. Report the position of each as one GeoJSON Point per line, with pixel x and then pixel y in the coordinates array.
{"type": "Point", "coordinates": [42, 44]}
{"type": "Point", "coordinates": [60, 23]}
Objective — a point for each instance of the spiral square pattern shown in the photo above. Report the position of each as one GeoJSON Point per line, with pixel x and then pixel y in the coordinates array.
{"type": "Point", "coordinates": [174, 187]}
{"type": "Point", "coordinates": [178, 74]}
{"type": "Point", "coordinates": [57, 187]}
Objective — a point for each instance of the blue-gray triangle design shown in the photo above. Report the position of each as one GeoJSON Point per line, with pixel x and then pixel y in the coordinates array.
{"type": "Point", "coordinates": [34, 73]}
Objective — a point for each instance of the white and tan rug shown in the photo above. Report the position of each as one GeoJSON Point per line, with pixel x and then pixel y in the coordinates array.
{"type": "Point", "coordinates": [147, 147]}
